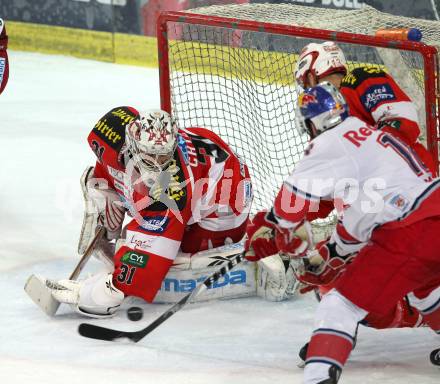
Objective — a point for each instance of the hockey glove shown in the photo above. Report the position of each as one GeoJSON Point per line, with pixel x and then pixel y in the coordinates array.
{"type": "Point", "coordinates": [289, 243]}
{"type": "Point", "coordinates": [323, 265]}
{"type": "Point", "coordinates": [260, 238]}
{"type": "Point", "coordinates": [103, 206]}
{"type": "Point", "coordinates": [265, 238]}
{"type": "Point", "coordinates": [111, 211]}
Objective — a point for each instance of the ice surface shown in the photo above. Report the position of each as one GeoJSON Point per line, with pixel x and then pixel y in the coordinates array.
{"type": "Point", "coordinates": [46, 112]}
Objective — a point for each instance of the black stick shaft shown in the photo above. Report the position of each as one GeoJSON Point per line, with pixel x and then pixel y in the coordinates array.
{"type": "Point", "coordinates": [101, 333]}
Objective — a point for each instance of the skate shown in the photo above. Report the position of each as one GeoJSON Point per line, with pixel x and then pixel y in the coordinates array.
{"type": "Point", "coordinates": [435, 357]}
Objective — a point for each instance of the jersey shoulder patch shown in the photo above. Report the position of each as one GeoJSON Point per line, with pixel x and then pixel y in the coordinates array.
{"type": "Point", "coordinates": [110, 128]}
{"type": "Point", "coordinates": [358, 75]}
{"type": "Point", "coordinates": [207, 144]}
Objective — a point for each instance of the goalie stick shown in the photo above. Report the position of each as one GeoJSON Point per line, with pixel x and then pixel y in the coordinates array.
{"type": "Point", "coordinates": [38, 288]}
{"type": "Point", "coordinates": [101, 333]}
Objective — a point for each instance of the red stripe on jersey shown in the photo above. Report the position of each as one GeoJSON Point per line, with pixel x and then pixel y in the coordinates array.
{"type": "Point", "coordinates": [433, 320]}
{"type": "Point", "coordinates": [331, 347]}
{"type": "Point", "coordinates": [428, 206]}
{"type": "Point", "coordinates": [324, 209]}
{"type": "Point", "coordinates": [291, 207]}
{"type": "Point", "coordinates": [345, 236]}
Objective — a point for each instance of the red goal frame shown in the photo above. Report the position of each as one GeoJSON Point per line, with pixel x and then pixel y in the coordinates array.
{"type": "Point", "coordinates": [429, 54]}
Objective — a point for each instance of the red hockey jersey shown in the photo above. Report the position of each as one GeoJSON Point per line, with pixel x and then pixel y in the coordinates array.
{"type": "Point", "coordinates": [374, 97]}
{"type": "Point", "coordinates": [205, 184]}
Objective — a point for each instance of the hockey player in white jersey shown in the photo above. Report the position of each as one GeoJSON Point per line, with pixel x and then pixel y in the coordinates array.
{"type": "Point", "coordinates": [387, 241]}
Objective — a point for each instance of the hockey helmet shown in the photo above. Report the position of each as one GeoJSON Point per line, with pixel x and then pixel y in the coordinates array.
{"type": "Point", "coordinates": [151, 139]}
{"type": "Point", "coordinates": [321, 60]}
{"type": "Point", "coordinates": [322, 105]}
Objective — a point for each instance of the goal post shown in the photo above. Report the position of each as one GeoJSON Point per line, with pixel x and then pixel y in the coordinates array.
{"type": "Point", "coordinates": [230, 68]}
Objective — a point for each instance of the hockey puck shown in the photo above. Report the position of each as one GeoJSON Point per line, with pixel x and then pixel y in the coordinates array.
{"type": "Point", "coordinates": [435, 357]}
{"type": "Point", "coordinates": [135, 313]}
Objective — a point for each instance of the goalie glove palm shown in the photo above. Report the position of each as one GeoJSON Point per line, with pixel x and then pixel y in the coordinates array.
{"type": "Point", "coordinates": [102, 206]}
{"type": "Point", "coordinates": [260, 241]}
{"type": "Point", "coordinates": [323, 265]}
{"type": "Point", "coordinates": [112, 212]}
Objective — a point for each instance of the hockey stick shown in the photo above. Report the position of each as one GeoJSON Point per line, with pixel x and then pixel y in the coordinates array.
{"type": "Point", "coordinates": [101, 333]}
{"type": "Point", "coordinates": [39, 288]}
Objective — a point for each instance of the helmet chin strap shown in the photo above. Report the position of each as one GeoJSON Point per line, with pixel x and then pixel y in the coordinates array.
{"type": "Point", "coordinates": [311, 129]}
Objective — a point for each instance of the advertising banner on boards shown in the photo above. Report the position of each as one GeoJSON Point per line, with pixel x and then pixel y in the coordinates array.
{"type": "Point", "coordinates": [139, 16]}
{"type": "Point", "coordinates": [425, 9]}
{"type": "Point", "coordinates": [97, 15]}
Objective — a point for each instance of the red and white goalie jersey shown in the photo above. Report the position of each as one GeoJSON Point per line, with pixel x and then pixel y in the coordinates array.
{"type": "Point", "coordinates": [201, 199]}
{"type": "Point", "coordinates": [375, 178]}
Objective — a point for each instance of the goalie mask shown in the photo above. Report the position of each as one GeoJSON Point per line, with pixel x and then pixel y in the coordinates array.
{"type": "Point", "coordinates": [320, 108]}
{"type": "Point", "coordinates": [151, 140]}
{"type": "Point", "coordinates": [320, 60]}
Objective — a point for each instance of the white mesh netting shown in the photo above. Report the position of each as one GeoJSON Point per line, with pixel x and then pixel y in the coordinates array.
{"type": "Point", "coordinates": [240, 83]}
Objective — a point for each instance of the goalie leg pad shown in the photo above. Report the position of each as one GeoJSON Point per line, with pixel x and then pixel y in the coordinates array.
{"type": "Point", "coordinates": [94, 297]}
{"type": "Point", "coordinates": [215, 256]}
{"type": "Point", "coordinates": [189, 270]}
{"type": "Point", "coordinates": [240, 282]}
{"type": "Point", "coordinates": [274, 281]}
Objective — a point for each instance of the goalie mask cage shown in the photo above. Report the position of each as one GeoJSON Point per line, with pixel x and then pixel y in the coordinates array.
{"type": "Point", "coordinates": [230, 68]}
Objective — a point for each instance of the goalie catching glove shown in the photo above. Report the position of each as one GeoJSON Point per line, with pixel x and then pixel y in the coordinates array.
{"type": "Point", "coordinates": [266, 238]}
{"type": "Point", "coordinates": [102, 206]}
{"type": "Point", "coordinates": [323, 265]}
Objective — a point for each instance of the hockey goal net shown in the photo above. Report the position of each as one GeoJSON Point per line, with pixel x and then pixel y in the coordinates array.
{"type": "Point", "coordinates": [230, 68]}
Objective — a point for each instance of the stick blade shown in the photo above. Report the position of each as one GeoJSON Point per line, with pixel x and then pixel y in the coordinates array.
{"type": "Point", "coordinates": [41, 295]}
{"type": "Point", "coordinates": [100, 333]}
